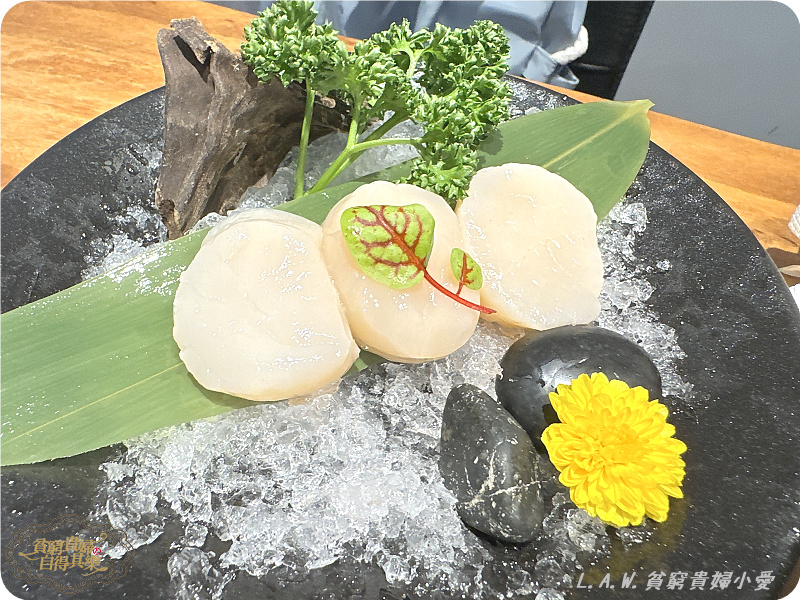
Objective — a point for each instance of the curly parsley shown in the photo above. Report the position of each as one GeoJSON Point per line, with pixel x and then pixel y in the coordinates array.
{"type": "Point", "coordinates": [446, 80]}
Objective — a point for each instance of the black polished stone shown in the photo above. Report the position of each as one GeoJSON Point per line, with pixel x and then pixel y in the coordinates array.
{"type": "Point", "coordinates": [732, 313]}
{"type": "Point", "coordinates": [540, 361]}
{"type": "Point", "coordinates": [488, 462]}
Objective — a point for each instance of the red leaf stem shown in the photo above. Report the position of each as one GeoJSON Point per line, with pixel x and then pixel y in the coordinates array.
{"type": "Point", "coordinates": [479, 307]}
{"type": "Point", "coordinates": [417, 262]}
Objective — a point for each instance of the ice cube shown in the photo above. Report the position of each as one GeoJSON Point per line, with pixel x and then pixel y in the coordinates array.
{"type": "Point", "coordinates": [549, 594]}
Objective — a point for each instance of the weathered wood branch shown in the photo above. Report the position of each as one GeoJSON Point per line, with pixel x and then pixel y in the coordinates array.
{"type": "Point", "coordinates": [224, 129]}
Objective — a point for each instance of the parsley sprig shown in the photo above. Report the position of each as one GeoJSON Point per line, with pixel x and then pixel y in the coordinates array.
{"type": "Point", "coordinates": [446, 80]}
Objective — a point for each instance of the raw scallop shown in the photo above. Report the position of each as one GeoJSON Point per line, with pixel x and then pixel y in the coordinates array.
{"type": "Point", "coordinates": [408, 325]}
{"type": "Point", "coordinates": [256, 313]}
{"type": "Point", "coordinates": [533, 234]}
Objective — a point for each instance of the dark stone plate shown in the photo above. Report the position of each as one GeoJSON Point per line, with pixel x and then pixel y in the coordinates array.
{"type": "Point", "coordinates": [732, 312]}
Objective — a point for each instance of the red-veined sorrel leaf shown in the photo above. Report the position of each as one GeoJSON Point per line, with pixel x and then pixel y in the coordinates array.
{"type": "Point", "coordinates": [466, 270]}
{"type": "Point", "coordinates": [391, 244]}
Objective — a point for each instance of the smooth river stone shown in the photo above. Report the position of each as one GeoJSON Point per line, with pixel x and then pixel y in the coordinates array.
{"type": "Point", "coordinates": [489, 463]}
{"type": "Point", "coordinates": [537, 363]}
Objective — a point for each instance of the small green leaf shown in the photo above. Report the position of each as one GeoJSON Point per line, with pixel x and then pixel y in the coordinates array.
{"type": "Point", "coordinates": [466, 270]}
{"type": "Point", "coordinates": [391, 244]}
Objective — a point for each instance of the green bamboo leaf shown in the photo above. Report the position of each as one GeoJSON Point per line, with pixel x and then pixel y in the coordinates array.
{"type": "Point", "coordinates": [598, 147]}
{"type": "Point", "coordinates": [466, 270]}
{"type": "Point", "coordinates": [391, 244]}
{"type": "Point", "coordinates": [96, 364]}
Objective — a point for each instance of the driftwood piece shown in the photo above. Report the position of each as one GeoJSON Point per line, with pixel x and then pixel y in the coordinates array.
{"type": "Point", "coordinates": [224, 129]}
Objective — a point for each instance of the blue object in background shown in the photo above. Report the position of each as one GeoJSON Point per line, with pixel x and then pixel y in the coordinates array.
{"type": "Point", "coordinates": [544, 35]}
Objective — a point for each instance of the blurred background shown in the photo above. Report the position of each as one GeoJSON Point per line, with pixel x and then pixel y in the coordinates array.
{"type": "Point", "coordinates": [732, 65]}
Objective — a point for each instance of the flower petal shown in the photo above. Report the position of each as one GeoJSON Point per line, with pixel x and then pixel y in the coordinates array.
{"type": "Point", "coordinates": [615, 450]}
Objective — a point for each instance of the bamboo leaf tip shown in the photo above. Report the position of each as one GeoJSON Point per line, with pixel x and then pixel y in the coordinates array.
{"type": "Point", "coordinates": [643, 105]}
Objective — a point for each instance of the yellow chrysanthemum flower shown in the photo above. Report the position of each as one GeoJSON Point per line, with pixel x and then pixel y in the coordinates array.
{"type": "Point", "coordinates": [615, 450]}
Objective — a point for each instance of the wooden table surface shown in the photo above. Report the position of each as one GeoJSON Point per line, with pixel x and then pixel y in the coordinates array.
{"type": "Point", "coordinates": [64, 63]}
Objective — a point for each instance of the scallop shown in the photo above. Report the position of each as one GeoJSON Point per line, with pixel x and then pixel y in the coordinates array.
{"type": "Point", "coordinates": [256, 314]}
{"type": "Point", "coordinates": [534, 236]}
{"type": "Point", "coordinates": [415, 324]}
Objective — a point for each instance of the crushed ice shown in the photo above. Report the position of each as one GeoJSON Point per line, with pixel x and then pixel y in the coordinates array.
{"type": "Point", "coordinates": [626, 291]}
{"type": "Point", "coordinates": [107, 253]}
{"type": "Point", "coordinates": [353, 475]}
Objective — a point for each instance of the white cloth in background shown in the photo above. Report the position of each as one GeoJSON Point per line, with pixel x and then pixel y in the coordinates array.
{"type": "Point", "coordinates": [794, 222]}
{"type": "Point", "coordinates": [794, 226]}
{"type": "Point", "coordinates": [795, 289]}
{"type": "Point", "coordinates": [544, 35]}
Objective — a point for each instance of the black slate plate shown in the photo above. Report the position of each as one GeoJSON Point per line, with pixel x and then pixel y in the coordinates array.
{"type": "Point", "coordinates": [732, 312]}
